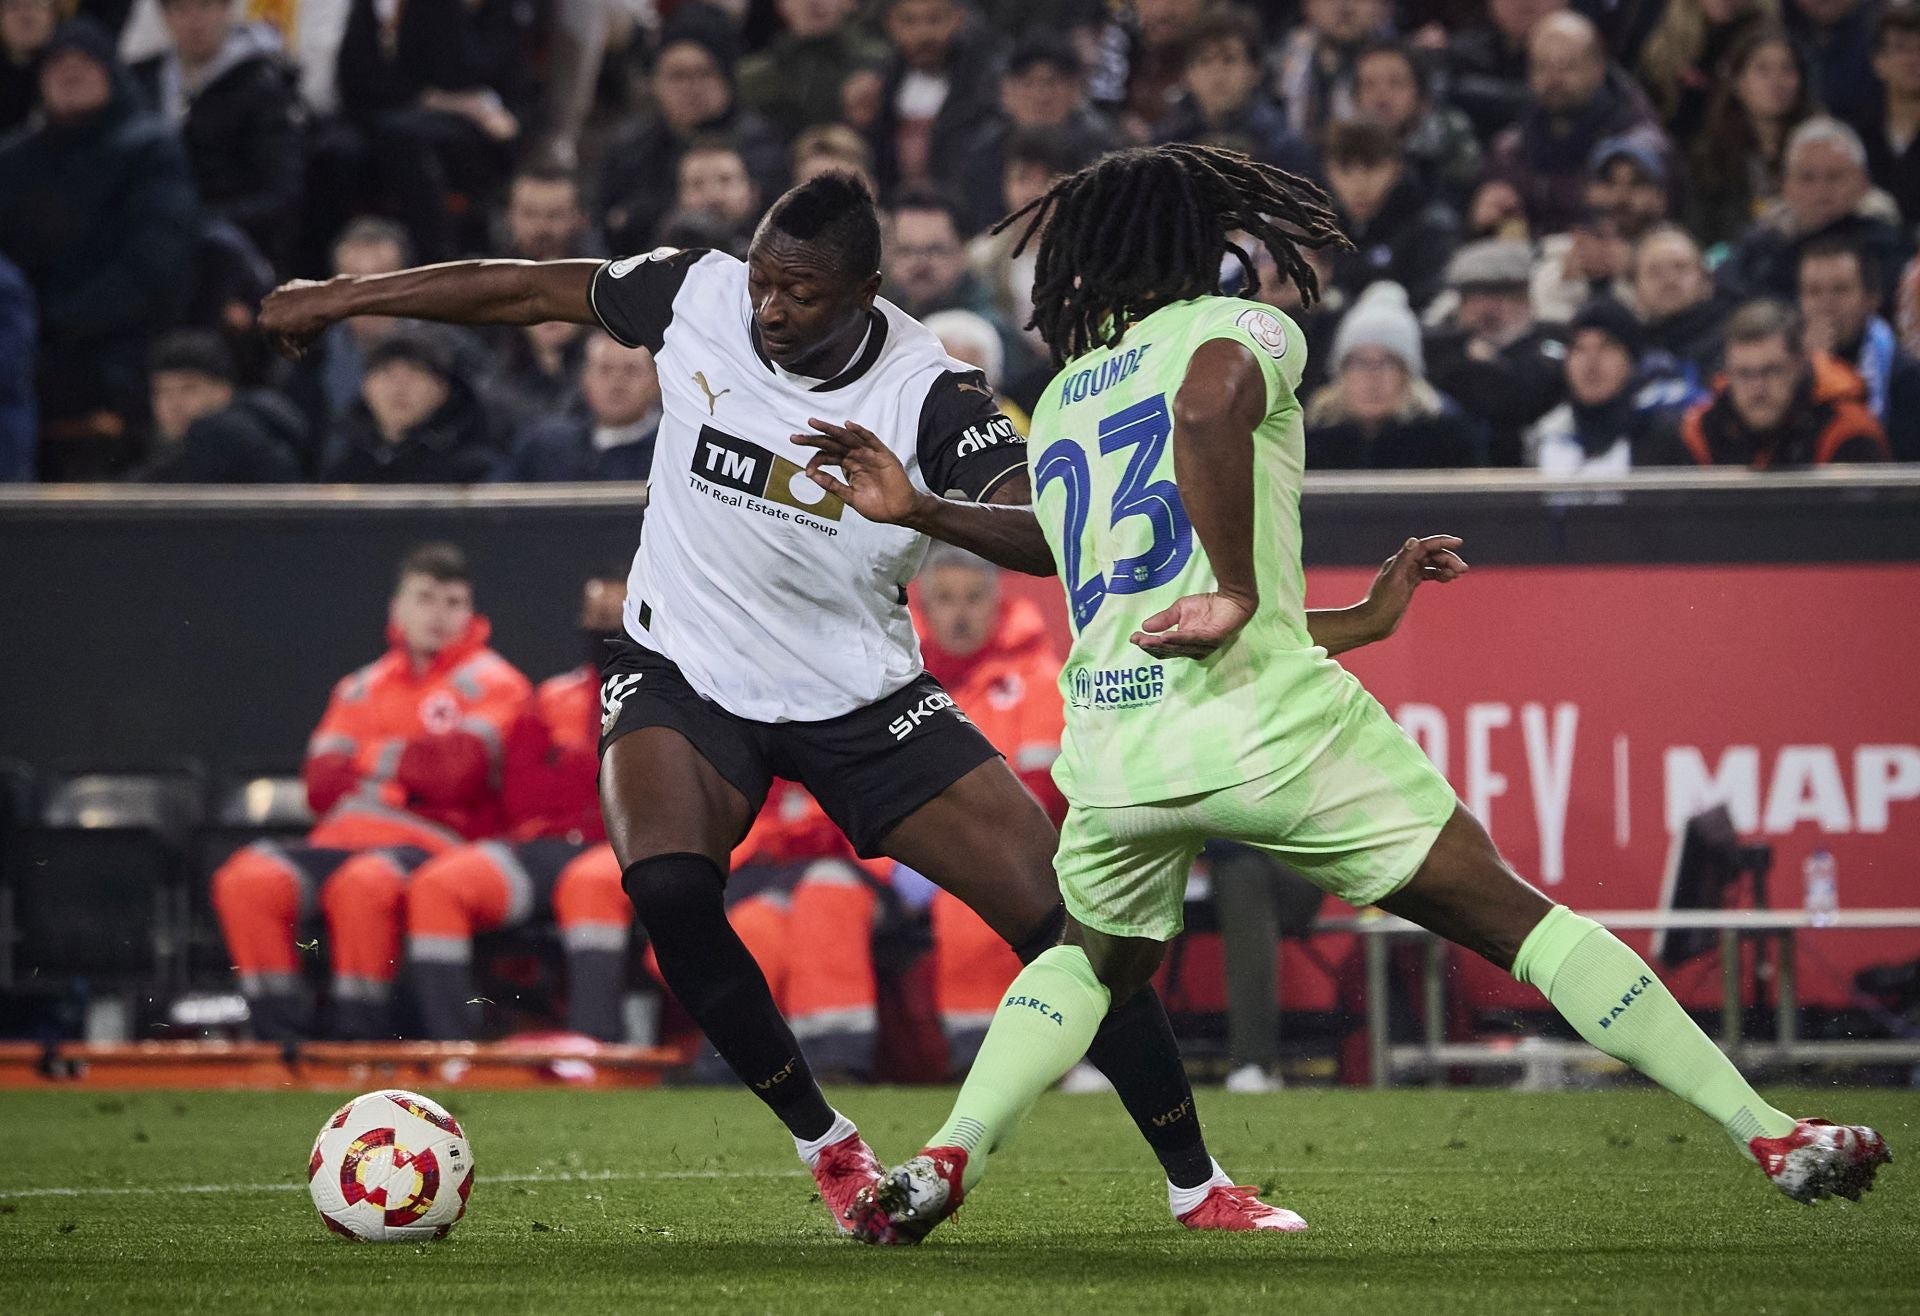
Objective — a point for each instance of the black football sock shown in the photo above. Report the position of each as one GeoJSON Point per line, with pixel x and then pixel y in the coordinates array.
{"type": "Point", "coordinates": [677, 898]}
{"type": "Point", "coordinates": [1136, 1050]}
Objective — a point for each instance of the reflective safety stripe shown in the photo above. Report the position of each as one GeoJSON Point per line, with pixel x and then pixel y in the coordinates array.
{"type": "Point", "coordinates": [594, 936]}
{"type": "Point", "coordinates": [831, 872]}
{"type": "Point", "coordinates": [354, 987]}
{"type": "Point", "coordinates": [333, 743]}
{"type": "Point", "coordinates": [388, 763]}
{"type": "Point", "coordinates": [369, 806]}
{"type": "Point", "coordinates": [966, 1021]}
{"type": "Point", "coordinates": [269, 984]}
{"type": "Point", "coordinates": [1032, 758]}
{"type": "Point", "coordinates": [489, 735]}
{"type": "Point", "coordinates": [519, 881]}
{"type": "Point", "coordinates": [858, 1019]}
{"type": "Point", "coordinates": [439, 950]}
{"type": "Point", "coordinates": [466, 677]}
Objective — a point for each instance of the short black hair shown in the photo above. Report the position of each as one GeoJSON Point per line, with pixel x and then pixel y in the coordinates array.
{"type": "Point", "coordinates": [927, 199]}
{"type": "Point", "coordinates": [1226, 23]}
{"type": "Point", "coordinates": [1046, 48]}
{"type": "Point", "coordinates": [1056, 149]}
{"type": "Point", "coordinates": [834, 211]}
{"type": "Point", "coordinates": [367, 230]}
{"type": "Point", "coordinates": [436, 561]}
{"type": "Point", "coordinates": [1826, 248]}
{"type": "Point", "coordinates": [1901, 16]}
{"type": "Point", "coordinates": [545, 171]}
{"type": "Point", "coordinates": [193, 351]}
{"type": "Point", "coordinates": [1361, 142]}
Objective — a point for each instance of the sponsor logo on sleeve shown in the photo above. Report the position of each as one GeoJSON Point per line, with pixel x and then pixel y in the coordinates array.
{"type": "Point", "coordinates": [991, 434]}
{"type": "Point", "coordinates": [1265, 328]}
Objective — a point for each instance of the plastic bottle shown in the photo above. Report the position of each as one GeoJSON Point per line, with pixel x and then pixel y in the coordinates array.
{"type": "Point", "coordinates": [1821, 876]}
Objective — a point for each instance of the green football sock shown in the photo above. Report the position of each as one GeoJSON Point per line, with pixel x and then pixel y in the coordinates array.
{"type": "Point", "coordinates": [1610, 995]}
{"type": "Point", "coordinates": [1042, 1028]}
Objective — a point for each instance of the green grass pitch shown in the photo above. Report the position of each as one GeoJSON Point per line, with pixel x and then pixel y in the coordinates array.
{"type": "Point", "coordinates": [691, 1200]}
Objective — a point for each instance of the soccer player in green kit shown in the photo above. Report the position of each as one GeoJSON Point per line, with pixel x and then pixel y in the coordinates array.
{"type": "Point", "coordinates": [1168, 455]}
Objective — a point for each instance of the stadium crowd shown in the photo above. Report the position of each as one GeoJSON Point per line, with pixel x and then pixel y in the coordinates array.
{"type": "Point", "coordinates": [1587, 237]}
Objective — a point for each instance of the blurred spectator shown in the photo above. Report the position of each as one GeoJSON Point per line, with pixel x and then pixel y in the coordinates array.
{"type": "Point", "coordinates": [993, 654]}
{"type": "Point", "coordinates": [1391, 89]}
{"type": "Point", "coordinates": [1780, 406]}
{"type": "Point", "coordinates": [1621, 402]}
{"type": "Point", "coordinates": [227, 90]}
{"type": "Point", "coordinates": [1379, 412]}
{"type": "Point", "coordinates": [1400, 231]}
{"type": "Point", "coordinates": [1223, 92]}
{"type": "Point", "coordinates": [1577, 101]}
{"type": "Point", "coordinates": [1825, 194]}
{"type": "Point", "coordinates": [207, 431]}
{"type": "Point", "coordinates": [579, 33]}
{"type": "Point", "coordinates": [795, 82]}
{"type": "Point", "coordinates": [436, 133]}
{"type": "Point", "coordinates": [1838, 35]}
{"type": "Point", "coordinates": [613, 440]}
{"type": "Point", "coordinates": [711, 181]}
{"type": "Point", "coordinates": [1043, 88]}
{"type": "Point", "coordinates": [969, 337]}
{"type": "Point", "coordinates": [404, 764]}
{"type": "Point", "coordinates": [1739, 154]}
{"type": "Point", "coordinates": [25, 28]}
{"type": "Point", "coordinates": [833, 148]}
{"type": "Point", "coordinates": [1891, 121]}
{"type": "Point", "coordinates": [1316, 68]}
{"type": "Point", "coordinates": [693, 96]}
{"type": "Point", "coordinates": [19, 416]}
{"type": "Point", "coordinates": [553, 867]}
{"type": "Point", "coordinates": [1155, 62]}
{"type": "Point", "coordinates": [1683, 312]}
{"type": "Point", "coordinates": [1037, 158]}
{"type": "Point", "coordinates": [1627, 197]}
{"type": "Point", "coordinates": [1839, 304]}
{"type": "Point", "coordinates": [418, 420]}
{"type": "Point", "coordinates": [310, 31]}
{"type": "Point", "coordinates": [1257, 900]}
{"type": "Point", "coordinates": [1502, 367]}
{"type": "Point", "coordinates": [1683, 53]}
{"type": "Point", "coordinates": [534, 373]}
{"type": "Point", "coordinates": [940, 81]}
{"type": "Point", "coordinates": [326, 382]}
{"type": "Point", "coordinates": [1487, 65]}
{"type": "Point", "coordinates": [544, 219]}
{"type": "Point", "coordinates": [1318, 324]}
{"type": "Point", "coordinates": [926, 269]}
{"type": "Point", "coordinates": [100, 216]}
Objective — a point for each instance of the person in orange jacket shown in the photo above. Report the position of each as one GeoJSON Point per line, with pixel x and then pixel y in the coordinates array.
{"type": "Point", "coordinates": [994, 656]}
{"type": "Point", "coordinates": [404, 764]}
{"type": "Point", "coordinates": [551, 862]}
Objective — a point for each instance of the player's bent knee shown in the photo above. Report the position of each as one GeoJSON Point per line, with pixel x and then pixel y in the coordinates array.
{"type": "Point", "coordinates": [668, 889]}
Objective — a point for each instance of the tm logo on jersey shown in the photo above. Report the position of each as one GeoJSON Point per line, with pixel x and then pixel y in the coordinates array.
{"type": "Point", "coordinates": [769, 485]}
{"type": "Point", "coordinates": [1117, 687]}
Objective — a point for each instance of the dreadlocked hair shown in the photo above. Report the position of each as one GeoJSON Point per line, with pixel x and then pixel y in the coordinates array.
{"type": "Point", "coordinates": [1142, 228]}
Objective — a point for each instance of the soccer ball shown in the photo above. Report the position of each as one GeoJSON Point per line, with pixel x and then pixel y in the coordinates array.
{"type": "Point", "coordinates": [390, 1167]}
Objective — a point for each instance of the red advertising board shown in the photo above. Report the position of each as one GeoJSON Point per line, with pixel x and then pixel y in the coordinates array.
{"type": "Point", "coordinates": [1584, 712]}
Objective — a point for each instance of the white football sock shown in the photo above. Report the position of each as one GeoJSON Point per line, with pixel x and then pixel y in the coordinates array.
{"type": "Point", "coordinates": [1182, 1200]}
{"type": "Point", "coordinates": [810, 1149]}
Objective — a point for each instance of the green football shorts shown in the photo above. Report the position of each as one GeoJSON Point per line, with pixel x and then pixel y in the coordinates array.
{"type": "Point", "coordinates": [1356, 819]}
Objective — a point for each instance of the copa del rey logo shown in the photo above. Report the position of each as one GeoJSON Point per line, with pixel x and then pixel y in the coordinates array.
{"type": "Point", "coordinates": [1498, 754]}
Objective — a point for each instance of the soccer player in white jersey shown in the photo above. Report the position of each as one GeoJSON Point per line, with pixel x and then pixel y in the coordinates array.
{"type": "Point", "coordinates": [1199, 702]}
{"type": "Point", "coordinates": [767, 631]}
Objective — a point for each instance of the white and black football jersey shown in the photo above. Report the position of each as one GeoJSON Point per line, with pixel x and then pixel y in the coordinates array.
{"type": "Point", "coordinates": [773, 598]}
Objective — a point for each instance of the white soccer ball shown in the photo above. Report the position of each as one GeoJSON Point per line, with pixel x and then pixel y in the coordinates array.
{"type": "Point", "coordinates": [391, 1167]}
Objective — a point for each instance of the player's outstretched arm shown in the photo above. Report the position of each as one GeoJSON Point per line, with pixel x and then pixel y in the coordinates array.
{"type": "Point", "coordinates": [1378, 615]}
{"type": "Point", "coordinates": [1002, 529]}
{"type": "Point", "coordinates": [459, 292]}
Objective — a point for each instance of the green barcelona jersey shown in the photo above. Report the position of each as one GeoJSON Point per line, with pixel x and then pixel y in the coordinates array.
{"type": "Point", "coordinates": [1142, 729]}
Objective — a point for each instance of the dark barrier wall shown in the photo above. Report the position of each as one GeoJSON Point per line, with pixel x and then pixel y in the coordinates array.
{"type": "Point", "coordinates": [139, 627]}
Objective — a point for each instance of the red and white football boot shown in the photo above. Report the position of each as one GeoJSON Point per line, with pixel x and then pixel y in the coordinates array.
{"type": "Point", "coordinates": [909, 1201]}
{"type": "Point", "coordinates": [845, 1169]}
{"type": "Point", "coordinates": [1819, 1159]}
{"type": "Point", "coordinates": [1235, 1207]}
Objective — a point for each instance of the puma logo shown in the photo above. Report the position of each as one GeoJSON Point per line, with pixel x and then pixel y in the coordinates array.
{"type": "Point", "coordinates": [713, 398]}
{"type": "Point", "coordinates": [986, 393]}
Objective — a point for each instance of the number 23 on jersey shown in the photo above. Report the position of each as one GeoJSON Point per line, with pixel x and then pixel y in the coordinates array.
{"type": "Point", "coordinates": [1138, 436]}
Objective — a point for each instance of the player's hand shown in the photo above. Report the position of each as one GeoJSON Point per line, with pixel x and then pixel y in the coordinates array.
{"type": "Point", "coordinates": [876, 484]}
{"type": "Point", "coordinates": [1195, 626]}
{"type": "Point", "coordinates": [1432, 558]}
{"type": "Point", "coordinates": [296, 313]}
